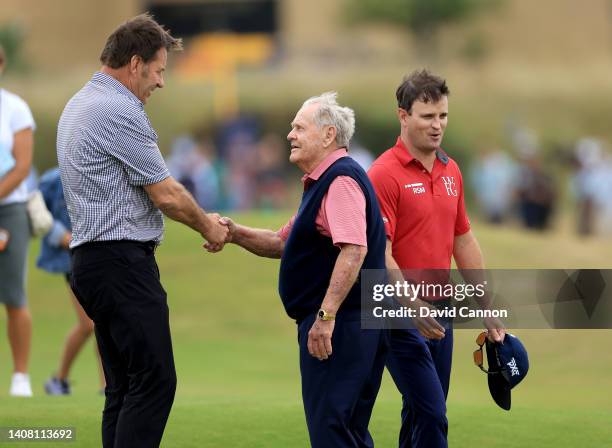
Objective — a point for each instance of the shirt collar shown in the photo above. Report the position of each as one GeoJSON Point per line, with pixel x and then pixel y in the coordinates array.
{"type": "Point", "coordinates": [442, 156]}
{"type": "Point", "coordinates": [404, 156]}
{"type": "Point", "coordinates": [105, 80]}
{"type": "Point", "coordinates": [326, 163]}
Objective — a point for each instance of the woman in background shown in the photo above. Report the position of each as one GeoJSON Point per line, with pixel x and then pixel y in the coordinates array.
{"type": "Point", "coordinates": [16, 145]}
{"type": "Point", "coordinates": [55, 258]}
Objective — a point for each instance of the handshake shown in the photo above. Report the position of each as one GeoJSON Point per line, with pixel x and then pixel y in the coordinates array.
{"type": "Point", "coordinates": [219, 232]}
{"type": "Point", "coordinates": [261, 242]}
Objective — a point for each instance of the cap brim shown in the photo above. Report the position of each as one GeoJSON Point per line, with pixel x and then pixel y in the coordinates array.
{"type": "Point", "coordinates": [500, 390]}
{"type": "Point", "coordinates": [498, 386]}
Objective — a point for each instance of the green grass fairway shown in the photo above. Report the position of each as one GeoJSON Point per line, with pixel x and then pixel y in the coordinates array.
{"type": "Point", "coordinates": [237, 360]}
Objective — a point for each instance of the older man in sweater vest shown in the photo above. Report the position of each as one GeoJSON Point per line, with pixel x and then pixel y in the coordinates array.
{"type": "Point", "coordinates": [337, 231]}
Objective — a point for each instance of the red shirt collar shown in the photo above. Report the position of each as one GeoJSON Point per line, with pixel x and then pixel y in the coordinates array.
{"type": "Point", "coordinates": [403, 155]}
{"type": "Point", "coordinates": [326, 163]}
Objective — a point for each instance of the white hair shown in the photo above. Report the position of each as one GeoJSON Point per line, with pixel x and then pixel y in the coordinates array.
{"type": "Point", "coordinates": [330, 113]}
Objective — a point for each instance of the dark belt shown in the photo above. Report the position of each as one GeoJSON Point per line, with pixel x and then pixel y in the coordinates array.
{"type": "Point", "coordinates": [148, 246]}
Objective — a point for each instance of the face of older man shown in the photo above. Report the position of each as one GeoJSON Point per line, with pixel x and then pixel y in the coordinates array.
{"type": "Point", "coordinates": [149, 76]}
{"type": "Point", "coordinates": [308, 143]}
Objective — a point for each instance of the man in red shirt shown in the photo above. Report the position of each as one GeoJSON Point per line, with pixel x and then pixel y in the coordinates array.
{"type": "Point", "coordinates": [420, 192]}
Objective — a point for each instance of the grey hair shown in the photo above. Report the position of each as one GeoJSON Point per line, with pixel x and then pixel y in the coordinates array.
{"type": "Point", "coordinates": [330, 113]}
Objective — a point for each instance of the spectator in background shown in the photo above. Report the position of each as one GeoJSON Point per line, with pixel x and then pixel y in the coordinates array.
{"type": "Point", "coordinates": [240, 172]}
{"type": "Point", "coordinates": [601, 190]}
{"type": "Point", "coordinates": [182, 161]}
{"type": "Point", "coordinates": [271, 175]}
{"type": "Point", "coordinates": [536, 193]}
{"type": "Point", "coordinates": [237, 144]}
{"type": "Point", "coordinates": [494, 180]}
{"type": "Point", "coordinates": [192, 164]}
{"type": "Point", "coordinates": [207, 177]}
{"type": "Point", "coordinates": [244, 126]}
{"type": "Point", "coordinates": [55, 258]}
{"type": "Point", "coordinates": [587, 161]}
{"type": "Point", "coordinates": [250, 173]}
{"type": "Point", "coordinates": [16, 146]}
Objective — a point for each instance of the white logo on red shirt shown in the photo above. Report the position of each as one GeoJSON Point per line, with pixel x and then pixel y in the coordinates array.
{"type": "Point", "coordinates": [417, 188]}
{"type": "Point", "coordinates": [449, 183]}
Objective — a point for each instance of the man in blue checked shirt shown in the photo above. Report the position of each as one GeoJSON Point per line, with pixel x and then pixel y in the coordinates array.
{"type": "Point", "coordinates": [116, 187]}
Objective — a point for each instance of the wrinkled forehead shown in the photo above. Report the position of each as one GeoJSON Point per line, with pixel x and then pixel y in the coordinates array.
{"type": "Point", "coordinates": [305, 114]}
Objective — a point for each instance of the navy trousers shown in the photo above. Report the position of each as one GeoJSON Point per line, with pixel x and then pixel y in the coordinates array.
{"type": "Point", "coordinates": [421, 370]}
{"type": "Point", "coordinates": [339, 393]}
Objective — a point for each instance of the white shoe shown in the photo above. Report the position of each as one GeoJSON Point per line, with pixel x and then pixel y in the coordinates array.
{"type": "Point", "coordinates": [20, 385]}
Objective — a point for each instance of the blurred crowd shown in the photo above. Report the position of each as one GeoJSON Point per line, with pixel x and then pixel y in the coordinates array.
{"type": "Point", "coordinates": [237, 167]}
{"type": "Point", "coordinates": [524, 185]}
{"type": "Point", "coordinates": [592, 186]}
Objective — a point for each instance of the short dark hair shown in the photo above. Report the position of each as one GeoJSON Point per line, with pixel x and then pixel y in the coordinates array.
{"type": "Point", "coordinates": [140, 36]}
{"type": "Point", "coordinates": [420, 85]}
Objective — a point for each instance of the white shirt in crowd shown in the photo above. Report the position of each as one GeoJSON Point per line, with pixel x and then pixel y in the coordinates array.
{"type": "Point", "coordinates": [15, 116]}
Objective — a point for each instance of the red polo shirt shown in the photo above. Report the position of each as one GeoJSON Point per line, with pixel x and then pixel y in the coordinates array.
{"type": "Point", "coordinates": [422, 211]}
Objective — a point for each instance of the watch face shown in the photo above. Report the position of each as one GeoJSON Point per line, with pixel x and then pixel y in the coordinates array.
{"type": "Point", "coordinates": [321, 314]}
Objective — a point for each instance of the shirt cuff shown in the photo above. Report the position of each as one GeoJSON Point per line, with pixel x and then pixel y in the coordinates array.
{"type": "Point", "coordinates": [355, 242]}
{"type": "Point", "coordinates": [152, 180]}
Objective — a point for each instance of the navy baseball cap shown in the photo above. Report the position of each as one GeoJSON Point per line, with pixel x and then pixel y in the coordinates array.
{"type": "Point", "coordinates": [508, 366]}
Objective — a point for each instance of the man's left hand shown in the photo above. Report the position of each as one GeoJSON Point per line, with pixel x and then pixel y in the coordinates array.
{"type": "Point", "coordinates": [496, 331]}
{"type": "Point", "coordinates": [319, 339]}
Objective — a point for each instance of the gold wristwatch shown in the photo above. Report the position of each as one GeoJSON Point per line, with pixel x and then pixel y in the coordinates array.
{"type": "Point", "coordinates": [324, 315]}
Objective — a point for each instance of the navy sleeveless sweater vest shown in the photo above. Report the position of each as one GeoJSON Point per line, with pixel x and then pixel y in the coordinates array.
{"type": "Point", "coordinates": [309, 257]}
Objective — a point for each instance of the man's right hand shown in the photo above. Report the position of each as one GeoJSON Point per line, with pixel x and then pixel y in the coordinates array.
{"type": "Point", "coordinates": [216, 233]}
{"type": "Point", "coordinates": [227, 224]}
{"type": "Point", "coordinates": [428, 326]}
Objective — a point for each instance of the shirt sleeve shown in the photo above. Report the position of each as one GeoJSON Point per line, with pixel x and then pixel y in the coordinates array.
{"type": "Point", "coordinates": [462, 223]}
{"type": "Point", "coordinates": [285, 230]}
{"type": "Point", "coordinates": [21, 116]}
{"type": "Point", "coordinates": [135, 146]}
{"type": "Point", "coordinates": [343, 212]}
{"type": "Point", "coordinates": [387, 193]}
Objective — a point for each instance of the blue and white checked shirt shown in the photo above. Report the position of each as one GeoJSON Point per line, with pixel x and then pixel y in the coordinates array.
{"type": "Point", "coordinates": [107, 151]}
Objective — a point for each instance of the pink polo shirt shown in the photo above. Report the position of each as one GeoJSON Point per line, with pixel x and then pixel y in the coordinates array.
{"type": "Point", "coordinates": [342, 215]}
